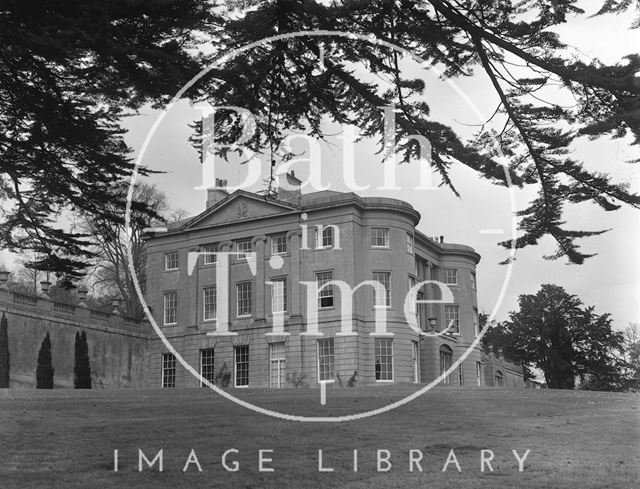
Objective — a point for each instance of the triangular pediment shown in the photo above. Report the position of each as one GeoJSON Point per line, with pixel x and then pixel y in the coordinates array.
{"type": "Point", "coordinates": [239, 206]}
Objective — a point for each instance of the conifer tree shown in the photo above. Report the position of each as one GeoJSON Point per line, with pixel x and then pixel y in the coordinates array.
{"type": "Point", "coordinates": [82, 368]}
{"type": "Point", "coordinates": [4, 352]}
{"type": "Point", "coordinates": [44, 371]}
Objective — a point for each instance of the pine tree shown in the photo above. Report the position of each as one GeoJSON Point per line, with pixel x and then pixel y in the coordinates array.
{"type": "Point", "coordinates": [4, 352]}
{"type": "Point", "coordinates": [81, 369]}
{"type": "Point", "coordinates": [44, 371]}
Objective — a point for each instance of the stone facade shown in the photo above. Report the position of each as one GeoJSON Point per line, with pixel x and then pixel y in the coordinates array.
{"type": "Point", "coordinates": [308, 238]}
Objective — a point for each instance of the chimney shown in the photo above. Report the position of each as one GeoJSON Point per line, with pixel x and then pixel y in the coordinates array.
{"type": "Point", "coordinates": [289, 188]}
{"type": "Point", "coordinates": [441, 239]}
{"type": "Point", "coordinates": [499, 352]}
{"type": "Point", "coordinates": [217, 193]}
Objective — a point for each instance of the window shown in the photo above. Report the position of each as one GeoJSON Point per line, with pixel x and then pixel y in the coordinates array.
{"type": "Point", "coordinates": [450, 276]}
{"type": "Point", "coordinates": [446, 360]}
{"type": "Point", "coordinates": [210, 254]}
{"type": "Point", "coordinates": [451, 319]}
{"type": "Point", "coordinates": [474, 284]}
{"type": "Point", "coordinates": [276, 355]}
{"type": "Point", "coordinates": [412, 304]}
{"type": "Point", "coordinates": [243, 293]}
{"type": "Point", "coordinates": [382, 298]}
{"type": "Point", "coordinates": [325, 240]}
{"type": "Point", "coordinates": [379, 237]}
{"type": "Point", "coordinates": [499, 379]}
{"type": "Point", "coordinates": [279, 294]}
{"type": "Point", "coordinates": [170, 307]}
{"type": "Point", "coordinates": [209, 303]}
{"type": "Point", "coordinates": [460, 375]}
{"type": "Point", "coordinates": [415, 356]}
{"type": "Point", "coordinates": [168, 370]}
{"type": "Point", "coordinates": [242, 365]}
{"type": "Point", "coordinates": [279, 244]}
{"type": "Point", "coordinates": [325, 359]}
{"type": "Point", "coordinates": [384, 358]}
{"type": "Point", "coordinates": [410, 243]}
{"type": "Point", "coordinates": [243, 248]}
{"type": "Point", "coordinates": [325, 296]}
{"type": "Point", "coordinates": [479, 373]}
{"type": "Point", "coordinates": [476, 322]}
{"type": "Point", "coordinates": [206, 365]}
{"type": "Point", "coordinates": [171, 260]}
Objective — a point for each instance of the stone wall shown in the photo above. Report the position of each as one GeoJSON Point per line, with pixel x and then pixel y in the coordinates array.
{"type": "Point", "coordinates": [118, 346]}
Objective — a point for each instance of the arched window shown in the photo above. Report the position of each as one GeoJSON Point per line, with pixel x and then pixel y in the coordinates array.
{"type": "Point", "coordinates": [446, 359]}
{"type": "Point", "coordinates": [499, 379]}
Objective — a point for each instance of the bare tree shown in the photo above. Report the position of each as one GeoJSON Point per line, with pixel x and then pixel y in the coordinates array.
{"type": "Point", "coordinates": [110, 275]}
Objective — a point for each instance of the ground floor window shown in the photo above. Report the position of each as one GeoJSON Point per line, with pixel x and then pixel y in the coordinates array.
{"type": "Point", "coordinates": [446, 360]}
{"type": "Point", "coordinates": [384, 358]}
{"type": "Point", "coordinates": [276, 355]}
{"type": "Point", "coordinates": [242, 365]}
{"type": "Point", "coordinates": [325, 359]}
{"type": "Point", "coordinates": [416, 361]}
{"type": "Point", "coordinates": [168, 370]}
{"type": "Point", "coordinates": [499, 379]}
{"type": "Point", "coordinates": [479, 373]}
{"type": "Point", "coordinates": [206, 365]}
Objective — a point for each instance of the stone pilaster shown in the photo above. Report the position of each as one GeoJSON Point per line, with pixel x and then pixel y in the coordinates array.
{"type": "Point", "coordinates": [293, 238]}
{"type": "Point", "coordinates": [260, 292]}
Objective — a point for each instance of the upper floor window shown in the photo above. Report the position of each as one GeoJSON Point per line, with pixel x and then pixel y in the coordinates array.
{"type": "Point", "coordinates": [450, 276]}
{"type": "Point", "coordinates": [474, 284]}
{"type": "Point", "coordinates": [410, 243]}
{"type": "Point", "coordinates": [171, 260]}
{"type": "Point", "coordinates": [379, 237]}
{"type": "Point", "coordinates": [170, 307]}
{"type": "Point", "coordinates": [279, 244]}
{"type": "Point", "coordinates": [476, 322]}
{"type": "Point", "coordinates": [325, 294]}
{"type": "Point", "coordinates": [325, 236]}
{"type": "Point", "coordinates": [412, 302]}
{"type": "Point", "coordinates": [452, 319]}
{"type": "Point", "coordinates": [209, 303]}
{"type": "Point", "coordinates": [279, 294]}
{"type": "Point", "coordinates": [382, 297]}
{"type": "Point", "coordinates": [243, 248]}
{"type": "Point", "coordinates": [210, 254]}
{"type": "Point", "coordinates": [243, 292]}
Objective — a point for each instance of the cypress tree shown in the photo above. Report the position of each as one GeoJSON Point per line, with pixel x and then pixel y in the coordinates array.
{"type": "Point", "coordinates": [4, 352]}
{"type": "Point", "coordinates": [44, 371]}
{"type": "Point", "coordinates": [82, 368]}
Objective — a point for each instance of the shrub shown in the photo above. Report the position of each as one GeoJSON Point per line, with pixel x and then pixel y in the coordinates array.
{"type": "Point", "coordinates": [296, 380]}
{"type": "Point", "coordinates": [223, 377]}
{"type": "Point", "coordinates": [352, 380]}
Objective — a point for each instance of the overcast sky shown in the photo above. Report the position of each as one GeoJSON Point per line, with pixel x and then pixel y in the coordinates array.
{"type": "Point", "coordinates": [610, 280]}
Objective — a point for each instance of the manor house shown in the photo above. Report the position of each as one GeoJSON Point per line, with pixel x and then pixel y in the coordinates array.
{"type": "Point", "coordinates": [286, 289]}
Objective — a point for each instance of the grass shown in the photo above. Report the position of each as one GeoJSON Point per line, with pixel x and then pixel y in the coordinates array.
{"type": "Point", "coordinates": [66, 438]}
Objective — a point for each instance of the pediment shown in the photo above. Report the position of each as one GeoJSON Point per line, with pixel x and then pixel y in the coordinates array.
{"type": "Point", "coordinates": [240, 206]}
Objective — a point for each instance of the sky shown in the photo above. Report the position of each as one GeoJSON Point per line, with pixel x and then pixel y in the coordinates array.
{"type": "Point", "coordinates": [610, 281]}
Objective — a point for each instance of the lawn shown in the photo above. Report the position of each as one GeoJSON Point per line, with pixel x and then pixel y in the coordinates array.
{"type": "Point", "coordinates": [66, 439]}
